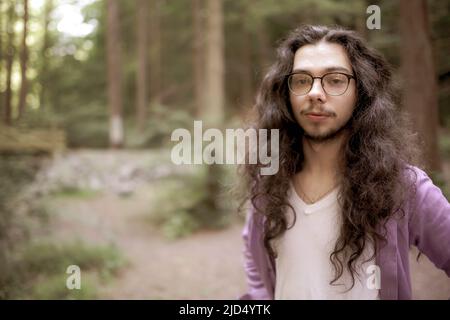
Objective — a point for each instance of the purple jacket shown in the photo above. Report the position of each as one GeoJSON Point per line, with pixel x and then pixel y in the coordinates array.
{"type": "Point", "coordinates": [426, 224]}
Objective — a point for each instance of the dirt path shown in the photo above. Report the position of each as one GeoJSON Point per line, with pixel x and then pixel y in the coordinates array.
{"type": "Point", "coordinates": [428, 282]}
{"type": "Point", "coordinates": [206, 265]}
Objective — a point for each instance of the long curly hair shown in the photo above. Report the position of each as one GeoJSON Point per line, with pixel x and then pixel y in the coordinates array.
{"type": "Point", "coordinates": [379, 149]}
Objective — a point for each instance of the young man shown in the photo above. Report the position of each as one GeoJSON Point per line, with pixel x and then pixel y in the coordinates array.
{"type": "Point", "coordinates": [339, 217]}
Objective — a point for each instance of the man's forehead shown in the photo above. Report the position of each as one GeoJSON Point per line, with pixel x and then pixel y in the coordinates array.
{"type": "Point", "coordinates": [320, 57]}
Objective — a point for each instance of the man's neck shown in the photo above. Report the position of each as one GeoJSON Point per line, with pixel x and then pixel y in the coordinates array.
{"type": "Point", "coordinates": [323, 158]}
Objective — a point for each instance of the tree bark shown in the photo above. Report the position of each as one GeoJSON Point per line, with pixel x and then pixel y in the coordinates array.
{"type": "Point", "coordinates": [141, 74]}
{"type": "Point", "coordinates": [360, 20]}
{"type": "Point", "coordinates": [10, 52]}
{"type": "Point", "coordinates": [2, 56]}
{"type": "Point", "coordinates": [213, 113]}
{"type": "Point", "coordinates": [45, 46]}
{"type": "Point", "coordinates": [263, 48]}
{"type": "Point", "coordinates": [262, 43]}
{"type": "Point", "coordinates": [23, 62]}
{"type": "Point", "coordinates": [420, 85]}
{"type": "Point", "coordinates": [114, 75]}
{"type": "Point", "coordinates": [198, 55]}
{"type": "Point", "coordinates": [215, 91]}
{"type": "Point", "coordinates": [155, 73]}
{"type": "Point", "coordinates": [246, 77]}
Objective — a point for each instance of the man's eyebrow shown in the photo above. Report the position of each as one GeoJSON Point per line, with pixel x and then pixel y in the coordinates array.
{"type": "Point", "coordinates": [329, 69]}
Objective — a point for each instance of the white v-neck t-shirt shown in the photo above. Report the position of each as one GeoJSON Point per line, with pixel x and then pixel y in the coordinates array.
{"type": "Point", "coordinates": [304, 269]}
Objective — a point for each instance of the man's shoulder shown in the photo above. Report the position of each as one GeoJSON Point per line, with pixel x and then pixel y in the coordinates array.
{"type": "Point", "coordinates": [425, 192]}
{"type": "Point", "coordinates": [415, 172]}
{"type": "Point", "coordinates": [419, 178]}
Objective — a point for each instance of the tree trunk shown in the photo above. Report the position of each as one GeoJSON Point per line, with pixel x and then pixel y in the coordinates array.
{"type": "Point", "coordinates": [262, 43]}
{"type": "Point", "coordinates": [360, 20]}
{"type": "Point", "coordinates": [198, 55]}
{"type": "Point", "coordinates": [215, 91]}
{"type": "Point", "coordinates": [246, 77]}
{"type": "Point", "coordinates": [114, 75]}
{"type": "Point", "coordinates": [1, 55]}
{"type": "Point", "coordinates": [263, 48]}
{"type": "Point", "coordinates": [141, 74]}
{"type": "Point", "coordinates": [23, 62]}
{"type": "Point", "coordinates": [155, 52]}
{"type": "Point", "coordinates": [213, 114]}
{"type": "Point", "coordinates": [420, 86]}
{"type": "Point", "coordinates": [45, 46]}
{"type": "Point", "coordinates": [10, 51]}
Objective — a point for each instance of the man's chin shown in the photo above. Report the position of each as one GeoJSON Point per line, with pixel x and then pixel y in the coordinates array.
{"type": "Point", "coordinates": [318, 138]}
{"type": "Point", "coordinates": [322, 137]}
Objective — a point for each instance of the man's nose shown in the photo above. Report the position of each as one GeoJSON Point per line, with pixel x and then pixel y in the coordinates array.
{"type": "Point", "coordinates": [317, 91]}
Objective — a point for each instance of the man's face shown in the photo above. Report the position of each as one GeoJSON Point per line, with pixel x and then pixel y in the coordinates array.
{"type": "Point", "coordinates": [317, 60]}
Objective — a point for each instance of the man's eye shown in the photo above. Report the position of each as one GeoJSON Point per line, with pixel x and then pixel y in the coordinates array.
{"type": "Point", "coordinates": [301, 81]}
{"type": "Point", "coordinates": [336, 81]}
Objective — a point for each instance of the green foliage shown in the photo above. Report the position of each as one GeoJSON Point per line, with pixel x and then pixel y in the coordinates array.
{"type": "Point", "coordinates": [180, 224]}
{"type": "Point", "coordinates": [173, 202]}
{"type": "Point", "coordinates": [49, 258]}
{"type": "Point", "coordinates": [87, 127]}
{"type": "Point", "coordinates": [444, 103]}
{"type": "Point", "coordinates": [444, 145]}
{"type": "Point", "coordinates": [439, 180]}
{"type": "Point", "coordinates": [39, 119]}
{"type": "Point", "coordinates": [16, 172]}
{"type": "Point", "coordinates": [74, 192]}
{"type": "Point", "coordinates": [439, 177]}
{"type": "Point", "coordinates": [39, 270]}
{"type": "Point", "coordinates": [162, 121]}
{"type": "Point", "coordinates": [75, 79]}
{"type": "Point", "coordinates": [182, 205]}
{"type": "Point", "coordinates": [54, 288]}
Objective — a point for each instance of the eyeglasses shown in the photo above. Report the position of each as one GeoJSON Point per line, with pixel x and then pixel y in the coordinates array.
{"type": "Point", "coordinates": [334, 83]}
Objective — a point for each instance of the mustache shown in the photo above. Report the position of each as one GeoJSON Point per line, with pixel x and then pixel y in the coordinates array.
{"type": "Point", "coordinates": [314, 109]}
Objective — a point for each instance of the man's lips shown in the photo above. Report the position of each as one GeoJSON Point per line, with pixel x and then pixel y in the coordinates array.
{"type": "Point", "coordinates": [316, 116]}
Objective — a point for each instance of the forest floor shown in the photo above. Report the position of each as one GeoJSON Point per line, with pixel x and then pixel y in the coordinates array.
{"type": "Point", "coordinates": [204, 265]}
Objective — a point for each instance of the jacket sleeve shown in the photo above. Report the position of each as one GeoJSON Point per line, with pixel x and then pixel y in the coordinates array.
{"type": "Point", "coordinates": [430, 222]}
{"type": "Point", "coordinates": [256, 289]}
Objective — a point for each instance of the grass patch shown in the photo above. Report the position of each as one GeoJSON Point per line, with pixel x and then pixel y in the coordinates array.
{"type": "Point", "coordinates": [181, 207]}
{"type": "Point", "coordinates": [54, 287]}
{"type": "Point", "coordinates": [73, 192]}
{"type": "Point", "coordinates": [40, 270]}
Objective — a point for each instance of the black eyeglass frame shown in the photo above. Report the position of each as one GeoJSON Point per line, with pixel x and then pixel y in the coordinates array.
{"type": "Point", "coordinates": [349, 76]}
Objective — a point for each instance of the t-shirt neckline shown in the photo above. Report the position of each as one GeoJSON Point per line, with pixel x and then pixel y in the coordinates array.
{"type": "Point", "coordinates": [326, 201]}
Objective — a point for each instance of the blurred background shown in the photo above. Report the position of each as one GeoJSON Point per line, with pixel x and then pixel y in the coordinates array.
{"type": "Point", "coordinates": [90, 92]}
